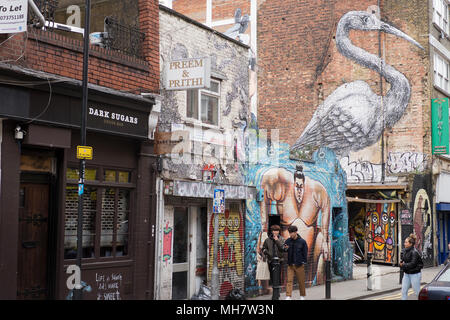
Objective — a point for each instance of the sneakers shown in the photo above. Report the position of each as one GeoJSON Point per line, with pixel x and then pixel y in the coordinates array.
{"type": "Point", "coordinates": [290, 298]}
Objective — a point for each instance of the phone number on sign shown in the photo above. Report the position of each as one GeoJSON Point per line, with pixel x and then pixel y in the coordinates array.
{"type": "Point", "coordinates": [12, 17]}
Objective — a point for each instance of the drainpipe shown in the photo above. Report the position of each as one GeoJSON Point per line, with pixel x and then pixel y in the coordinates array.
{"type": "Point", "coordinates": [383, 166]}
{"type": "Point", "coordinates": [158, 237]}
{"type": "Point", "coordinates": [36, 10]}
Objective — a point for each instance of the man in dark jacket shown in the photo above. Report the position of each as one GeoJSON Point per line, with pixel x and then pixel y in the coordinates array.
{"type": "Point", "coordinates": [273, 249]}
{"type": "Point", "coordinates": [297, 257]}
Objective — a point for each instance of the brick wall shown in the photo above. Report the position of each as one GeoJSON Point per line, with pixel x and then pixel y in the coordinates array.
{"type": "Point", "coordinates": [220, 10]}
{"type": "Point", "coordinates": [299, 59]}
{"type": "Point", "coordinates": [194, 9]}
{"type": "Point", "coordinates": [60, 55]}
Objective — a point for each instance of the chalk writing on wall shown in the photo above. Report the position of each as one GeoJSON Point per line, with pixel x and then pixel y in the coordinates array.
{"type": "Point", "coordinates": [108, 285]}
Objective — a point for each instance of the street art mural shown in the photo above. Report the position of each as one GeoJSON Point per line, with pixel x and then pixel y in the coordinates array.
{"type": "Point", "coordinates": [381, 231]}
{"type": "Point", "coordinates": [230, 253]}
{"type": "Point", "coordinates": [349, 119]}
{"type": "Point", "coordinates": [422, 222]}
{"type": "Point", "coordinates": [421, 206]}
{"type": "Point", "coordinates": [303, 194]}
{"type": "Point", "coordinates": [167, 243]}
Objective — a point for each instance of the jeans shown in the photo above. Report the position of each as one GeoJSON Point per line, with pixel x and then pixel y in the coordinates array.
{"type": "Point", "coordinates": [411, 280]}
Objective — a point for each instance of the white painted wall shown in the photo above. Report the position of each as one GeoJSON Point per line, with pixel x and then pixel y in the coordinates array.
{"type": "Point", "coordinates": [442, 187]}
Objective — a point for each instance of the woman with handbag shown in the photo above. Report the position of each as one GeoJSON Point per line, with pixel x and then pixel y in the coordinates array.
{"type": "Point", "coordinates": [262, 267]}
{"type": "Point", "coordinates": [411, 264]}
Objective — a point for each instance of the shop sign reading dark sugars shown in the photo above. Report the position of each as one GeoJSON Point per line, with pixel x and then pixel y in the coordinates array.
{"type": "Point", "coordinates": [110, 118]}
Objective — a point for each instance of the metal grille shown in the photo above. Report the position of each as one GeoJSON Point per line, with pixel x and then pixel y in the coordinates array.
{"type": "Point", "coordinates": [47, 8]}
{"type": "Point", "coordinates": [71, 218]}
{"type": "Point", "coordinates": [123, 38]}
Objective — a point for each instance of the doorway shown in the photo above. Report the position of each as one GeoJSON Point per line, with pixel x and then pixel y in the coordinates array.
{"type": "Point", "coordinates": [35, 247]}
{"type": "Point", "coordinates": [443, 235]}
{"type": "Point", "coordinates": [189, 251]}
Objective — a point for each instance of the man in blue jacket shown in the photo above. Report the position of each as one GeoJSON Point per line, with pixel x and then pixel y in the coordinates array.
{"type": "Point", "coordinates": [297, 250]}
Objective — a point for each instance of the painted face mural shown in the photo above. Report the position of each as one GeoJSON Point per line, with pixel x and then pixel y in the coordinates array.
{"type": "Point", "coordinates": [381, 231]}
{"type": "Point", "coordinates": [230, 248]}
{"type": "Point", "coordinates": [299, 187]}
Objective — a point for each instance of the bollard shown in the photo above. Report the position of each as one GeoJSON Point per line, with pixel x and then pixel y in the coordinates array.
{"type": "Point", "coordinates": [276, 281]}
{"type": "Point", "coordinates": [328, 279]}
{"type": "Point", "coordinates": [369, 271]}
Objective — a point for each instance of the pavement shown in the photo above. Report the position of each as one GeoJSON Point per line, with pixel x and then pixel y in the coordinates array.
{"type": "Point", "coordinates": [385, 279]}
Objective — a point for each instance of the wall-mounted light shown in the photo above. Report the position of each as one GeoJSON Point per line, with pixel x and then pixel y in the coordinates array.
{"type": "Point", "coordinates": [19, 133]}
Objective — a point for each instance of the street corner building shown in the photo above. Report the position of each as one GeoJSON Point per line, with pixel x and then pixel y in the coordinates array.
{"type": "Point", "coordinates": [40, 110]}
{"type": "Point", "coordinates": [200, 142]}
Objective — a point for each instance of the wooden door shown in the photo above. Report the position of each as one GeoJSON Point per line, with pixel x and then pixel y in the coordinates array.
{"type": "Point", "coordinates": [33, 241]}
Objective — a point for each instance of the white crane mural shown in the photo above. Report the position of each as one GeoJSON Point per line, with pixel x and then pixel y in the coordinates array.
{"type": "Point", "coordinates": [350, 119]}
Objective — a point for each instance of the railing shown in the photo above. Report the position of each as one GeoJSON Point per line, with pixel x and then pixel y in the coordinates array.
{"type": "Point", "coordinates": [47, 8]}
{"type": "Point", "coordinates": [123, 38]}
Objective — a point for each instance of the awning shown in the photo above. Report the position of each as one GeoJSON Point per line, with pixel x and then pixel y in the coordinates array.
{"type": "Point", "coordinates": [354, 199]}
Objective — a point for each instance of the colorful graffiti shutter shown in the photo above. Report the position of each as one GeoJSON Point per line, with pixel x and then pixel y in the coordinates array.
{"type": "Point", "coordinates": [230, 255]}
{"type": "Point", "coordinates": [381, 231]}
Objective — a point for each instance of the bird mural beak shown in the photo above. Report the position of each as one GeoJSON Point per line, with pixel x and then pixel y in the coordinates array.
{"type": "Point", "coordinates": [392, 30]}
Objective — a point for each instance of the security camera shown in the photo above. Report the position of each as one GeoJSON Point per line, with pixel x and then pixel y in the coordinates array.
{"type": "Point", "coordinates": [18, 133]}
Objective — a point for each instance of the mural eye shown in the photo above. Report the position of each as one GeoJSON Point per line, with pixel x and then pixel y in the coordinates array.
{"type": "Point", "coordinates": [374, 219]}
{"type": "Point", "coordinates": [365, 20]}
{"type": "Point", "coordinates": [384, 218]}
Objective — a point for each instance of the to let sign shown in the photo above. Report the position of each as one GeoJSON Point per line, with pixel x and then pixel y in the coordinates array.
{"type": "Point", "coordinates": [185, 74]}
{"type": "Point", "coordinates": [13, 16]}
{"type": "Point", "coordinates": [439, 126]}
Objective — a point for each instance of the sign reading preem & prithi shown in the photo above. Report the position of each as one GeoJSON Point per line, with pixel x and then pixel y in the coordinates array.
{"type": "Point", "coordinates": [194, 73]}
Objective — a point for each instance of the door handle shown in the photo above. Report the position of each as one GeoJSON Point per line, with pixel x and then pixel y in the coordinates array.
{"type": "Point", "coordinates": [190, 246]}
{"type": "Point", "coordinates": [29, 244]}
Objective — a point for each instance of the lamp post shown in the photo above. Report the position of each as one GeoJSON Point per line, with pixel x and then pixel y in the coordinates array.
{"type": "Point", "coordinates": [78, 289]}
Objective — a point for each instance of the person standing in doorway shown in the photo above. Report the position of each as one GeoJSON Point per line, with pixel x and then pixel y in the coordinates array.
{"type": "Point", "coordinates": [411, 264]}
{"type": "Point", "coordinates": [273, 249]}
{"type": "Point", "coordinates": [297, 250]}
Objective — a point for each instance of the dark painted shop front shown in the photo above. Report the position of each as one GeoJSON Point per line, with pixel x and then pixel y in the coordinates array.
{"type": "Point", "coordinates": [39, 193]}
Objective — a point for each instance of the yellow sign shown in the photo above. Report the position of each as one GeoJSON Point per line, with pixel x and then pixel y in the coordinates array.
{"type": "Point", "coordinates": [84, 152]}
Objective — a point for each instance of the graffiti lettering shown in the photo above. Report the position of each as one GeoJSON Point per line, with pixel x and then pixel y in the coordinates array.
{"type": "Point", "coordinates": [206, 190]}
{"type": "Point", "coordinates": [400, 162]}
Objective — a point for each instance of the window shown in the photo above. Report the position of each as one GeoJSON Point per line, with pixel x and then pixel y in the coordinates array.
{"type": "Point", "coordinates": [203, 104]}
{"type": "Point", "coordinates": [441, 72]}
{"type": "Point", "coordinates": [440, 14]}
{"type": "Point", "coordinates": [106, 211]}
{"type": "Point", "coordinates": [445, 276]}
